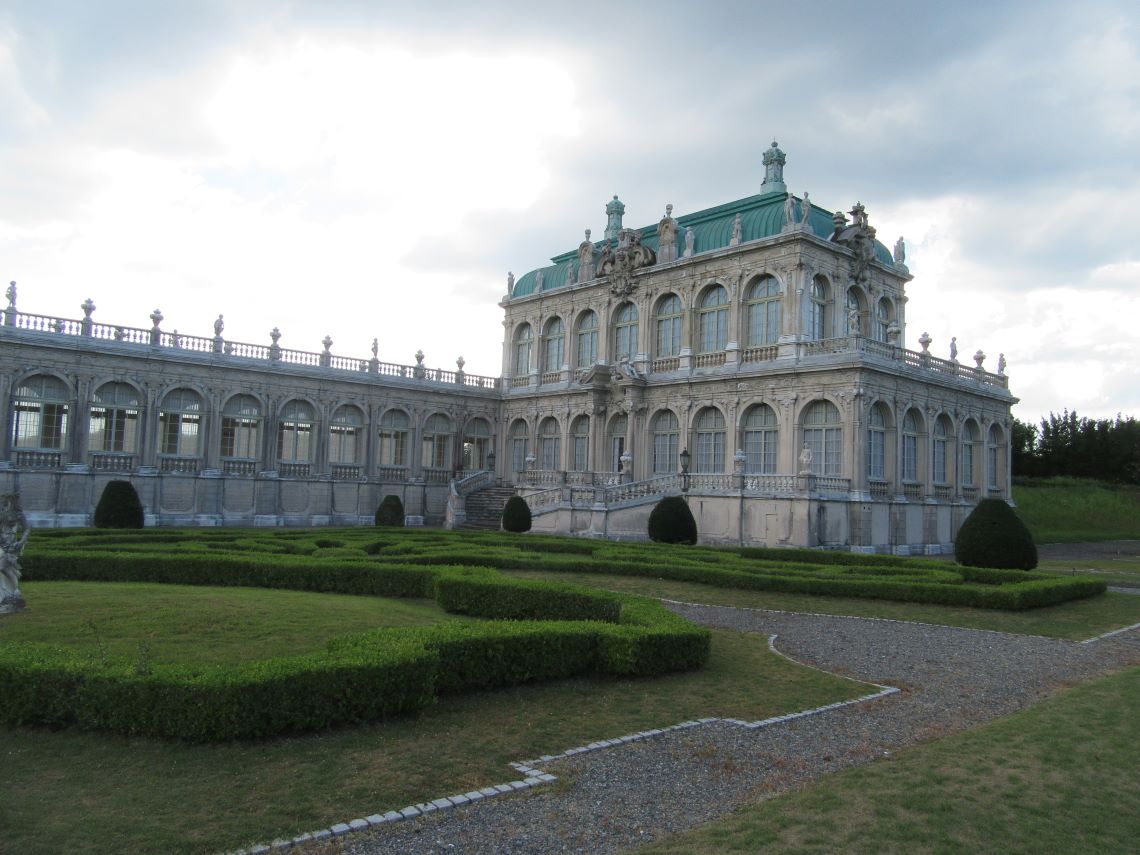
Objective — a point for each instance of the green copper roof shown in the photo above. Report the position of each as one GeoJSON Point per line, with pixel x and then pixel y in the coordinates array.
{"type": "Point", "coordinates": [761, 216]}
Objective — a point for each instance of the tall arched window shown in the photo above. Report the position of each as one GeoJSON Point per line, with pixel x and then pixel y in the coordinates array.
{"type": "Point", "coordinates": [519, 441]}
{"type": "Point", "coordinates": [476, 444]}
{"type": "Point", "coordinates": [670, 317]}
{"type": "Point", "coordinates": [241, 428]}
{"type": "Point", "coordinates": [877, 444]}
{"type": "Point", "coordinates": [882, 319]}
{"type": "Point", "coordinates": [437, 442]}
{"type": "Point", "coordinates": [554, 345]}
{"type": "Point", "coordinates": [994, 443]}
{"type": "Point", "coordinates": [666, 436]}
{"type": "Point", "coordinates": [762, 307]}
{"type": "Point", "coordinates": [619, 424]}
{"type": "Point", "coordinates": [346, 435]}
{"type": "Point", "coordinates": [549, 445]}
{"type": "Point", "coordinates": [941, 443]}
{"type": "Point", "coordinates": [625, 332]}
{"type": "Point", "coordinates": [295, 433]}
{"type": "Point", "coordinates": [394, 438]}
{"type": "Point", "coordinates": [523, 336]}
{"type": "Point", "coordinates": [180, 423]}
{"type": "Point", "coordinates": [853, 312]}
{"type": "Point", "coordinates": [817, 311]}
{"type": "Point", "coordinates": [712, 320]}
{"type": "Point", "coordinates": [709, 430]}
{"type": "Point", "coordinates": [114, 425]}
{"type": "Point", "coordinates": [580, 436]}
{"type": "Point", "coordinates": [761, 440]}
{"type": "Point", "coordinates": [969, 444]}
{"type": "Point", "coordinates": [910, 431]}
{"type": "Point", "coordinates": [823, 435]}
{"type": "Point", "coordinates": [40, 414]}
{"type": "Point", "coordinates": [587, 339]}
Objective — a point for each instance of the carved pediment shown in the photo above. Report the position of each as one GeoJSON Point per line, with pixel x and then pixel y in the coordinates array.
{"type": "Point", "coordinates": [619, 264]}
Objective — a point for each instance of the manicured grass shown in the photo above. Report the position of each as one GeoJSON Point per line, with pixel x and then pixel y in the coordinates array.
{"type": "Point", "coordinates": [195, 625]}
{"type": "Point", "coordinates": [1059, 777]}
{"type": "Point", "coordinates": [1114, 571]}
{"type": "Point", "coordinates": [79, 792]}
{"type": "Point", "coordinates": [1076, 619]}
{"type": "Point", "coordinates": [1071, 510]}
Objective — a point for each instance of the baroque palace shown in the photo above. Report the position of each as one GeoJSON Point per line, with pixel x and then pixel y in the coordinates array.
{"type": "Point", "coordinates": [748, 356]}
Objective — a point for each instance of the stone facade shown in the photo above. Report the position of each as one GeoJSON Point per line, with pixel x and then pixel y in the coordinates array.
{"type": "Point", "coordinates": [748, 356]}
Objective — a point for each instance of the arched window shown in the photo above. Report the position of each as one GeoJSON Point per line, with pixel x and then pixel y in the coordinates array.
{"type": "Point", "coordinates": [823, 435]}
{"type": "Point", "coordinates": [762, 307]}
{"type": "Point", "coordinates": [519, 444]}
{"type": "Point", "coordinates": [587, 339]}
{"type": "Point", "coordinates": [346, 435]}
{"type": "Point", "coordinates": [241, 428]}
{"type": "Point", "coordinates": [910, 447]}
{"type": "Point", "coordinates": [853, 312]}
{"type": "Point", "coordinates": [877, 444]}
{"type": "Point", "coordinates": [994, 443]}
{"type": "Point", "coordinates": [712, 320]}
{"type": "Point", "coordinates": [114, 424]}
{"type": "Point", "coordinates": [761, 440]}
{"type": "Point", "coordinates": [437, 442]}
{"type": "Point", "coordinates": [670, 316]}
{"type": "Point", "coordinates": [394, 438]}
{"type": "Point", "coordinates": [40, 409]}
{"type": "Point", "coordinates": [969, 443]}
{"type": "Point", "coordinates": [523, 337]}
{"type": "Point", "coordinates": [666, 436]}
{"type": "Point", "coordinates": [817, 311]}
{"type": "Point", "coordinates": [882, 319]}
{"type": "Point", "coordinates": [549, 445]}
{"type": "Point", "coordinates": [625, 332]}
{"type": "Point", "coordinates": [941, 440]}
{"type": "Point", "coordinates": [295, 433]}
{"type": "Point", "coordinates": [180, 423]}
{"type": "Point", "coordinates": [618, 426]}
{"type": "Point", "coordinates": [580, 436]}
{"type": "Point", "coordinates": [554, 345]}
{"type": "Point", "coordinates": [476, 444]}
{"type": "Point", "coordinates": [709, 430]}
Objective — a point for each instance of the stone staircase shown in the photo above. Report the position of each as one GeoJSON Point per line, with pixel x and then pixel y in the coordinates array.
{"type": "Point", "coordinates": [485, 507]}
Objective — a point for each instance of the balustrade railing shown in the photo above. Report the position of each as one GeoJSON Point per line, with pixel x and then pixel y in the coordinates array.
{"type": "Point", "coordinates": [469, 484]}
{"type": "Point", "coordinates": [520, 382]}
{"type": "Point", "coordinates": [551, 377]}
{"type": "Point", "coordinates": [173, 463]}
{"type": "Point", "coordinates": [542, 477]}
{"type": "Point", "coordinates": [293, 469]}
{"type": "Point", "coordinates": [666, 363]}
{"type": "Point", "coordinates": [346, 471]}
{"type": "Point", "coordinates": [544, 498]}
{"type": "Point", "coordinates": [639, 489]}
{"type": "Point", "coordinates": [759, 354]}
{"type": "Point", "coordinates": [709, 360]}
{"type": "Point", "coordinates": [879, 489]}
{"type": "Point", "coordinates": [913, 491]}
{"type": "Point", "coordinates": [110, 461]}
{"type": "Point", "coordinates": [393, 473]}
{"type": "Point", "coordinates": [39, 459]}
{"type": "Point", "coordinates": [756, 483]}
{"type": "Point", "coordinates": [830, 484]}
{"type": "Point", "coordinates": [437, 476]}
{"type": "Point", "coordinates": [712, 482]}
{"type": "Point", "coordinates": [243, 468]}
{"type": "Point", "coordinates": [943, 491]}
{"type": "Point", "coordinates": [970, 494]}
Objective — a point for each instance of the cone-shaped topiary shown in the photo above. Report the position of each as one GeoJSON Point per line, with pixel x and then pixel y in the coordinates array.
{"type": "Point", "coordinates": [516, 514]}
{"type": "Point", "coordinates": [119, 507]}
{"type": "Point", "coordinates": [671, 521]}
{"type": "Point", "coordinates": [390, 512]}
{"type": "Point", "coordinates": [994, 536]}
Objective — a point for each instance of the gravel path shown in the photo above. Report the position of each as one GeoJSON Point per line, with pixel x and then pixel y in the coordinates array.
{"type": "Point", "coordinates": [613, 799]}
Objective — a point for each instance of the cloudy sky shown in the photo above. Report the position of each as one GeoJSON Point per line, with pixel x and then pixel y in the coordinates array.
{"type": "Point", "coordinates": [371, 169]}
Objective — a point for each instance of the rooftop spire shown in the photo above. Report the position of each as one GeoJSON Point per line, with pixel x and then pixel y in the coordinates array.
{"type": "Point", "coordinates": [774, 170]}
{"type": "Point", "coordinates": [614, 210]}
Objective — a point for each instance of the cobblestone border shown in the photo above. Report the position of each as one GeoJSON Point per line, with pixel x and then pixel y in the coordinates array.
{"type": "Point", "coordinates": [535, 776]}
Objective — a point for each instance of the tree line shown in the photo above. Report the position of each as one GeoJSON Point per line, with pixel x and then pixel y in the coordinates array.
{"type": "Point", "coordinates": [1067, 444]}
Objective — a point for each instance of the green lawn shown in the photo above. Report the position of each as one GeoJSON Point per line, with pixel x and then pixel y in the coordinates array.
{"type": "Point", "coordinates": [1114, 571]}
{"type": "Point", "coordinates": [1070, 510]}
{"type": "Point", "coordinates": [1058, 777]}
{"type": "Point", "coordinates": [76, 792]}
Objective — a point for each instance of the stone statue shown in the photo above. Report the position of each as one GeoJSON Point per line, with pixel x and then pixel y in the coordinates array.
{"type": "Point", "coordinates": [13, 535]}
{"type": "Point", "coordinates": [806, 215]}
{"type": "Point", "coordinates": [900, 251]}
{"type": "Point", "coordinates": [667, 236]}
{"type": "Point", "coordinates": [11, 295]}
{"type": "Point", "coordinates": [954, 348]}
{"type": "Point", "coordinates": [219, 325]}
{"type": "Point", "coordinates": [375, 347]}
{"type": "Point", "coordinates": [853, 320]}
{"type": "Point", "coordinates": [1001, 363]}
{"type": "Point", "coordinates": [690, 241]}
{"type": "Point", "coordinates": [790, 210]}
{"type": "Point", "coordinates": [510, 282]}
{"type": "Point", "coordinates": [805, 460]}
{"type": "Point", "coordinates": [586, 259]}
{"type": "Point", "coordinates": [538, 277]}
{"type": "Point", "coordinates": [737, 231]}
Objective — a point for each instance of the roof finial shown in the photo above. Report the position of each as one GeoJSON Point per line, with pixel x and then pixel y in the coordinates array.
{"type": "Point", "coordinates": [774, 170]}
{"type": "Point", "coordinates": [614, 210]}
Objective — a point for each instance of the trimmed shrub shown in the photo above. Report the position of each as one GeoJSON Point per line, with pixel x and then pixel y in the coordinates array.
{"type": "Point", "coordinates": [671, 521]}
{"type": "Point", "coordinates": [119, 507]}
{"type": "Point", "coordinates": [994, 536]}
{"type": "Point", "coordinates": [516, 515]}
{"type": "Point", "coordinates": [390, 512]}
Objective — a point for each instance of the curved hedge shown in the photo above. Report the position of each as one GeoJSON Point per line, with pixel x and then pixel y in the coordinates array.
{"type": "Point", "coordinates": [364, 677]}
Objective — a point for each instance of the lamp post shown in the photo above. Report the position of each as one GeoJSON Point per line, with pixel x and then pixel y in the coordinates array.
{"type": "Point", "coordinates": [685, 470]}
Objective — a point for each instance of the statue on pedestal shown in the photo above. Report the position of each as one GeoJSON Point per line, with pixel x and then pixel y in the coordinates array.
{"type": "Point", "coordinates": [13, 535]}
